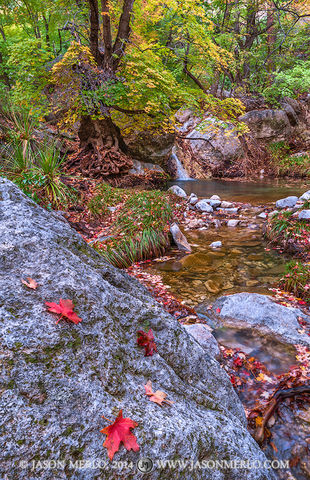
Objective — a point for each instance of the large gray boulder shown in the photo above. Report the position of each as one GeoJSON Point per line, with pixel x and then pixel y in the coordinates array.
{"type": "Point", "coordinates": [260, 311]}
{"type": "Point", "coordinates": [267, 124]}
{"type": "Point", "coordinates": [58, 380]}
{"type": "Point", "coordinates": [215, 144]}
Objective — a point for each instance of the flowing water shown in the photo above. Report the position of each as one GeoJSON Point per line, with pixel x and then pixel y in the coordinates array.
{"type": "Point", "coordinates": [243, 264]}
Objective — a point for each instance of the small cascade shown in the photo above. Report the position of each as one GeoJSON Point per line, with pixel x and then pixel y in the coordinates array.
{"type": "Point", "coordinates": [181, 173]}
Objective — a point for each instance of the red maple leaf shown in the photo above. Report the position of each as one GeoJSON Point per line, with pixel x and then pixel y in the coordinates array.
{"type": "Point", "coordinates": [146, 340]}
{"type": "Point", "coordinates": [119, 432]}
{"type": "Point", "coordinates": [65, 308]}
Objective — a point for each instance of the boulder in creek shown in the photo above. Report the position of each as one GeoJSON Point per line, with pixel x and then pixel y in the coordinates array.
{"type": "Point", "coordinates": [215, 144]}
{"type": "Point", "coordinates": [287, 202]}
{"type": "Point", "coordinates": [178, 191]}
{"type": "Point", "coordinates": [179, 238]}
{"type": "Point", "coordinates": [260, 312]}
{"type": "Point", "coordinates": [204, 206]}
{"type": "Point", "coordinates": [58, 380]}
{"type": "Point", "coordinates": [304, 215]}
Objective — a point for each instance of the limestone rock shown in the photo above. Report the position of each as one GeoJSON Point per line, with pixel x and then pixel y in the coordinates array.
{"type": "Point", "coordinates": [217, 244]}
{"type": "Point", "coordinates": [305, 196]}
{"type": "Point", "coordinates": [204, 337]}
{"type": "Point", "coordinates": [204, 206]}
{"type": "Point", "coordinates": [259, 311]}
{"type": "Point", "coordinates": [58, 380]}
{"type": "Point", "coordinates": [267, 124]}
{"type": "Point", "coordinates": [176, 190]}
{"type": "Point", "coordinates": [304, 215]}
{"type": "Point", "coordinates": [193, 199]}
{"type": "Point", "coordinates": [179, 238]}
{"type": "Point", "coordinates": [232, 223]}
{"type": "Point", "coordinates": [287, 202]}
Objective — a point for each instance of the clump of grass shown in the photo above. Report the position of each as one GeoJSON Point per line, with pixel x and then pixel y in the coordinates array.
{"type": "Point", "coordinates": [286, 163]}
{"type": "Point", "coordinates": [141, 229]}
{"type": "Point", "coordinates": [291, 234]}
{"type": "Point", "coordinates": [106, 196]}
{"type": "Point", "coordinates": [297, 280]}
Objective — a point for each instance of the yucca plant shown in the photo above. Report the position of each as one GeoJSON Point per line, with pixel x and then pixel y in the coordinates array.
{"type": "Point", "coordinates": [48, 162]}
{"type": "Point", "coordinates": [17, 157]}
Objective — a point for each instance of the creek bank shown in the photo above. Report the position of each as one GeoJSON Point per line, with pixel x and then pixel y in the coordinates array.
{"type": "Point", "coordinates": [58, 380]}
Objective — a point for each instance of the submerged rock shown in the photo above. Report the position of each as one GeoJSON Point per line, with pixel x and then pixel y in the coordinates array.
{"type": "Point", "coordinates": [259, 311]}
{"type": "Point", "coordinates": [58, 380]}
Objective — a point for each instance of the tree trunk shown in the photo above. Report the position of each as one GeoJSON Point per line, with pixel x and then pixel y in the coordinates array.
{"type": "Point", "coordinates": [102, 149]}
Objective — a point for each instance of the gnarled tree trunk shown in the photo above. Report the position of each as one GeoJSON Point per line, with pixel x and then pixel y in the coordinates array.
{"type": "Point", "coordinates": [102, 149]}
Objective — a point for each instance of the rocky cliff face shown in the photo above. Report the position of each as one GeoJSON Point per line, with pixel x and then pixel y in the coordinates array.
{"type": "Point", "coordinates": [58, 380]}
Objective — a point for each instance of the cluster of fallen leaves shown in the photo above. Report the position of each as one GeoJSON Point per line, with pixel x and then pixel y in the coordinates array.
{"type": "Point", "coordinates": [256, 385]}
{"type": "Point", "coordinates": [120, 430]}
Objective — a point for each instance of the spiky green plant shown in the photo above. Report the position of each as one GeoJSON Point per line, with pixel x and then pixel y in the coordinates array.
{"type": "Point", "coordinates": [141, 230]}
{"type": "Point", "coordinates": [297, 280]}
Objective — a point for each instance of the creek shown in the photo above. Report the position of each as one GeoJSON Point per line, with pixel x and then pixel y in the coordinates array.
{"type": "Point", "coordinates": [243, 264]}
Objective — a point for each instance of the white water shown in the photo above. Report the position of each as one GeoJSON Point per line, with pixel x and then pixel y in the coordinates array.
{"type": "Point", "coordinates": [181, 173]}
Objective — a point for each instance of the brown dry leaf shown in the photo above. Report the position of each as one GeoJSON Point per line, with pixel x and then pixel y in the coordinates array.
{"type": "Point", "coordinates": [30, 283]}
{"type": "Point", "coordinates": [158, 397]}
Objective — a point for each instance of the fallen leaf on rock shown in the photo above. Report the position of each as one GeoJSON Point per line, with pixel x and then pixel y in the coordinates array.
{"type": "Point", "coordinates": [146, 340]}
{"type": "Point", "coordinates": [30, 283]}
{"type": "Point", "coordinates": [65, 309]}
{"type": "Point", "coordinates": [158, 397]}
{"type": "Point", "coordinates": [119, 432]}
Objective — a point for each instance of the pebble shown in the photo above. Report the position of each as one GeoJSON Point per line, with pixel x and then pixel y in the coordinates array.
{"type": "Point", "coordinates": [217, 244]}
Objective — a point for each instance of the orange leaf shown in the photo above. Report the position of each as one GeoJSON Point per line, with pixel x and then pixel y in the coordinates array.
{"type": "Point", "coordinates": [65, 309]}
{"type": "Point", "coordinates": [259, 421]}
{"type": "Point", "coordinates": [119, 432]}
{"type": "Point", "coordinates": [30, 283]}
{"type": "Point", "coordinates": [158, 397]}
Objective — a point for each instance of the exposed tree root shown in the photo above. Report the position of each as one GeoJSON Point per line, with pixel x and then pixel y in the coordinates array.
{"type": "Point", "coordinates": [100, 163]}
{"type": "Point", "coordinates": [278, 396]}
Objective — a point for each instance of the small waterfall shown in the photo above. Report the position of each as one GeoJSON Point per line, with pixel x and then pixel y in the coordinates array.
{"type": "Point", "coordinates": [181, 173]}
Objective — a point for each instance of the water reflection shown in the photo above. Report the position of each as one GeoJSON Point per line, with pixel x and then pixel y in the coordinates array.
{"type": "Point", "coordinates": [264, 191]}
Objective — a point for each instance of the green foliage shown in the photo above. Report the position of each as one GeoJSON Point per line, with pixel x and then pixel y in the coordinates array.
{"type": "Point", "coordinates": [297, 280]}
{"type": "Point", "coordinates": [141, 227]}
{"type": "Point", "coordinates": [290, 83]}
